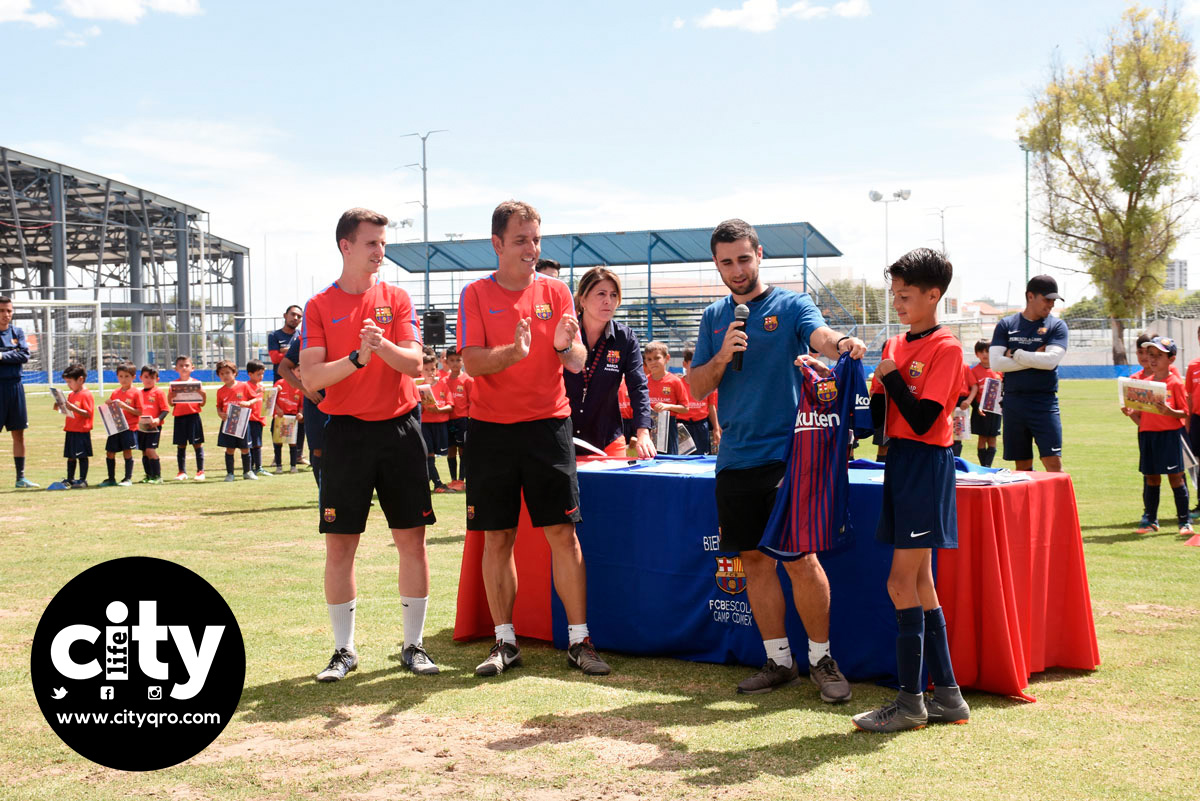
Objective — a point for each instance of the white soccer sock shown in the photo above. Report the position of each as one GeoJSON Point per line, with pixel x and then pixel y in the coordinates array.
{"type": "Point", "coordinates": [817, 651]}
{"type": "Point", "coordinates": [576, 633]}
{"type": "Point", "coordinates": [342, 618]}
{"type": "Point", "coordinates": [414, 619]}
{"type": "Point", "coordinates": [506, 633]}
{"type": "Point", "coordinates": [780, 651]}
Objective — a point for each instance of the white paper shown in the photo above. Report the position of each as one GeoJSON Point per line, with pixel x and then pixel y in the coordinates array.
{"type": "Point", "coordinates": [60, 399]}
{"type": "Point", "coordinates": [1140, 395]}
{"type": "Point", "coordinates": [237, 420]}
{"type": "Point", "coordinates": [587, 446]}
{"type": "Point", "coordinates": [113, 418]}
{"type": "Point", "coordinates": [686, 445]}
{"type": "Point", "coordinates": [185, 391]}
{"type": "Point", "coordinates": [682, 468]}
{"type": "Point", "coordinates": [661, 430]}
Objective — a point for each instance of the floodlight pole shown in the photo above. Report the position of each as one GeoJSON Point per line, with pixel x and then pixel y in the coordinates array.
{"type": "Point", "coordinates": [1025, 148]}
{"type": "Point", "coordinates": [899, 194]}
{"type": "Point", "coordinates": [425, 202]}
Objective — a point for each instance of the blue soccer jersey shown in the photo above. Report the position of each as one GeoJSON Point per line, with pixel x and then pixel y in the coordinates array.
{"type": "Point", "coordinates": [1016, 333]}
{"type": "Point", "coordinates": [756, 406]}
{"type": "Point", "coordinates": [811, 511]}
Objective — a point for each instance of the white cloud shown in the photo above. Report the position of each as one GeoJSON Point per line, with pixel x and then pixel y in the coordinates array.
{"type": "Point", "coordinates": [678, 23]}
{"type": "Point", "coordinates": [760, 16]}
{"type": "Point", "coordinates": [78, 39]}
{"type": "Point", "coordinates": [20, 11]}
{"type": "Point", "coordinates": [128, 11]}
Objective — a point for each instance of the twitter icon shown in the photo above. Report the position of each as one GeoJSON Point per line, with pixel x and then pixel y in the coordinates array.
{"type": "Point", "coordinates": [59, 693]}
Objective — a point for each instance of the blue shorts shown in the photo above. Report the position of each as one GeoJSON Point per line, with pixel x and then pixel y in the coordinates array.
{"type": "Point", "coordinates": [1160, 452]}
{"type": "Point", "coordinates": [188, 430]}
{"type": "Point", "coordinates": [148, 440]}
{"type": "Point", "coordinates": [1030, 418]}
{"type": "Point", "coordinates": [700, 435]}
{"type": "Point", "coordinates": [12, 407]}
{"type": "Point", "coordinates": [121, 441]}
{"type": "Point", "coordinates": [458, 430]}
{"type": "Point", "coordinates": [919, 505]}
{"type": "Point", "coordinates": [253, 436]}
{"type": "Point", "coordinates": [437, 438]}
{"type": "Point", "coordinates": [314, 425]}
{"type": "Point", "coordinates": [77, 443]}
{"type": "Point", "coordinates": [229, 441]}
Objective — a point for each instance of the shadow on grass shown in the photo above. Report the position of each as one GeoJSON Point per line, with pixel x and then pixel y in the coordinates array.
{"type": "Point", "coordinates": [1167, 531]}
{"type": "Point", "coordinates": [446, 540]}
{"type": "Point", "coordinates": [256, 510]}
{"type": "Point", "coordinates": [1052, 675]}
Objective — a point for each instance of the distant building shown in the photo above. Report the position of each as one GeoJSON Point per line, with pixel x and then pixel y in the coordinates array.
{"type": "Point", "coordinates": [1176, 275]}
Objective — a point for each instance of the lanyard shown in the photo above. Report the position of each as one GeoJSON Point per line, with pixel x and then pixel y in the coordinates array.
{"type": "Point", "coordinates": [590, 370]}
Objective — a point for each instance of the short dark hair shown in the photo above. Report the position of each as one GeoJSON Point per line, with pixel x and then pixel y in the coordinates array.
{"type": "Point", "coordinates": [427, 359]}
{"type": "Point", "coordinates": [732, 231]}
{"type": "Point", "coordinates": [924, 268]}
{"type": "Point", "coordinates": [223, 364]}
{"type": "Point", "coordinates": [254, 366]}
{"type": "Point", "coordinates": [448, 352]}
{"type": "Point", "coordinates": [348, 223]}
{"type": "Point", "coordinates": [127, 367]}
{"type": "Point", "coordinates": [550, 264]}
{"type": "Point", "coordinates": [1143, 338]}
{"type": "Point", "coordinates": [689, 352]}
{"type": "Point", "coordinates": [293, 306]}
{"type": "Point", "coordinates": [182, 358]}
{"type": "Point", "coordinates": [149, 368]}
{"type": "Point", "coordinates": [982, 346]}
{"type": "Point", "coordinates": [75, 371]}
{"type": "Point", "coordinates": [507, 209]}
{"type": "Point", "coordinates": [657, 347]}
{"type": "Point", "coordinates": [428, 350]}
{"type": "Point", "coordinates": [5, 299]}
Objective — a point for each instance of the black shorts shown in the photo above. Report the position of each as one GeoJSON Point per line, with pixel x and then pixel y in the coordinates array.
{"type": "Point", "coordinates": [121, 441]}
{"type": "Point", "coordinates": [229, 441]}
{"type": "Point", "coordinates": [700, 435]}
{"type": "Point", "coordinates": [365, 456]}
{"type": "Point", "coordinates": [12, 407]}
{"type": "Point", "coordinates": [458, 430]}
{"type": "Point", "coordinates": [148, 440]}
{"type": "Point", "coordinates": [1160, 452]}
{"type": "Point", "coordinates": [253, 435]}
{"type": "Point", "coordinates": [984, 424]}
{"type": "Point", "coordinates": [314, 426]}
{"type": "Point", "coordinates": [188, 430]}
{"type": "Point", "coordinates": [534, 457]}
{"type": "Point", "coordinates": [437, 438]}
{"type": "Point", "coordinates": [76, 444]}
{"type": "Point", "coordinates": [920, 507]}
{"type": "Point", "coordinates": [1029, 419]}
{"type": "Point", "coordinates": [744, 502]}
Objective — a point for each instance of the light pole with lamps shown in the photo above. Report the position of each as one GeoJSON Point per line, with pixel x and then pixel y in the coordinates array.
{"type": "Point", "coordinates": [425, 202]}
{"type": "Point", "coordinates": [877, 197]}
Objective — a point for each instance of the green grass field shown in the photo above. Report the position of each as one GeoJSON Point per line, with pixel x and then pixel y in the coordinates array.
{"type": "Point", "coordinates": [656, 728]}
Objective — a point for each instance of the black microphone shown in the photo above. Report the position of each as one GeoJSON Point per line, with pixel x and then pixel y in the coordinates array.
{"type": "Point", "coordinates": [740, 314]}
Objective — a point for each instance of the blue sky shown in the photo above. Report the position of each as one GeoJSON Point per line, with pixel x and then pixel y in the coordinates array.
{"type": "Point", "coordinates": [274, 117]}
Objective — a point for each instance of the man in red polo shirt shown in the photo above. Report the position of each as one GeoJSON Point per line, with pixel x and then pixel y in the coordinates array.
{"type": "Point", "coordinates": [517, 331]}
{"type": "Point", "coordinates": [361, 344]}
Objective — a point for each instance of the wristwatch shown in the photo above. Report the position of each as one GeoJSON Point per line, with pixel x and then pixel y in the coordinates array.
{"type": "Point", "coordinates": [354, 360]}
{"type": "Point", "coordinates": [567, 349]}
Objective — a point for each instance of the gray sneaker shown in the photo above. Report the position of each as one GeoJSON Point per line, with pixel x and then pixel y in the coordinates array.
{"type": "Point", "coordinates": [342, 662]}
{"type": "Point", "coordinates": [833, 685]}
{"type": "Point", "coordinates": [504, 655]}
{"type": "Point", "coordinates": [230, 477]}
{"type": "Point", "coordinates": [905, 713]}
{"type": "Point", "coordinates": [946, 705]}
{"type": "Point", "coordinates": [583, 655]}
{"type": "Point", "coordinates": [415, 659]}
{"type": "Point", "coordinates": [770, 677]}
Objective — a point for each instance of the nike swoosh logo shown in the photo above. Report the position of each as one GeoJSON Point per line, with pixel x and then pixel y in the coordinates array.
{"type": "Point", "coordinates": [915, 534]}
{"type": "Point", "coordinates": [719, 330]}
{"type": "Point", "coordinates": [571, 511]}
{"type": "Point", "coordinates": [495, 311]}
{"type": "Point", "coordinates": [337, 320]}
{"type": "Point", "coordinates": [427, 514]}
{"type": "Point", "coordinates": [1173, 467]}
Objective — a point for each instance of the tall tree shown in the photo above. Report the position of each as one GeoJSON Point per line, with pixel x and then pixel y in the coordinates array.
{"type": "Point", "coordinates": [1107, 141]}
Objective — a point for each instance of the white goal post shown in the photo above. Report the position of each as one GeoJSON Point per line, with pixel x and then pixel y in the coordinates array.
{"type": "Point", "coordinates": [60, 332]}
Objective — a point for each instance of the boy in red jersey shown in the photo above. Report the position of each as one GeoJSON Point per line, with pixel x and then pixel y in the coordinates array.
{"type": "Point", "coordinates": [288, 401]}
{"type": "Point", "coordinates": [700, 419]}
{"type": "Point", "coordinates": [667, 392]}
{"type": "Point", "coordinates": [458, 384]}
{"type": "Point", "coordinates": [984, 425]}
{"type": "Point", "coordinates": [129, 401]}
{"type": "Point", "coordinates": [518, 332]}
{"type": "Point", "coordinates": [360, 342]}
{"type": "Point", "coordinates": [1160, 447]}
{"type": "Point", "coordinates": [154, 411]}
{"type": "Point", "coordinates": [435, 415]}
{"type": "Point", "coordinates": [81, 409]}
{"type": "Point", "coordinates": [921, 374]}
{"type": "Point", "coordinates": [188, 428]}
{"type": "Point", "coordinates": [253, 387]}
{"type": "Point", "coordinates": [232, 393]}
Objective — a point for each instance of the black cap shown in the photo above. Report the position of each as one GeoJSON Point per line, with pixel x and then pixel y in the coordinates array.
{"type": "Point", "coordinates": [1043, 285]}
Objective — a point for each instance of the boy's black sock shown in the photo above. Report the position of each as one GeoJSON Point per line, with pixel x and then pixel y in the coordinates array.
{"type": "Point", "coordinates": [112, 467]}
{"type": "Point", "coordinates": [433, 471]}
{"type": "Point", "coordinates": [909, 647]}
{"type": "Point", "coordinates": [156, 464]}
{"type": "Point", "coordinates": [246, 462]}
{"type": "Point", "coordinates": [1181, 502]}
{"type": "Point", "coordinates": [453, 462]}
{"type": "Point", "coordinates": [279, 454]}
{"type": "Point", "coordinates": [146, 466]}
{"type": "Point", "coordinates": [129, 469]}
{"type": "Point", "coordinates": [256, 458]}
{"type": "Point", "coordinates": [83, 466]}
{"type": "Point", "coordinates": [181, 457]}
{"type": "Point", "coordinates": [937, 649]}
{"type": "Point", "coordinates": [19, 463]}
{"type": "Point", "coordinates": [957, 448]}
{"type": "Point", "coordinates": [200, 459]}
{"type": "Point", "coordinates": [991, 456]}
{"type": "Point", "coordinates": [293, 454]}
{"type": "Point", "coordinates": [70, 470]}
{"type": "Point", "coordinates": [1150, 501]}
{"type": "Point", "coordinates": [229, 463]}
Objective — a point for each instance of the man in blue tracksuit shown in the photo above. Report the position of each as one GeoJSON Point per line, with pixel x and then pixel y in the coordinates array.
{"type": "Point", "coordinates": [14, 352]}
{"type": "Point", "coordinates": [1027, 348]}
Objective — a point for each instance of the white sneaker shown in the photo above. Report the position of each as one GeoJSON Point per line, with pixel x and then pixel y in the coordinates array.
{"type": "Point", "coordinates": [181, 477]}
{"type": "Point", "coordinates": [200, 476]}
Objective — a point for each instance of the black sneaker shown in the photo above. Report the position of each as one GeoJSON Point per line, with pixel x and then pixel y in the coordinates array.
{"type": "Point", "coordinates": [833, 685]}
{"type": "Point", "coordinates": [769, 678]}
{"type": "Point", "coordinates": [342, 662]}
{"type": "Point", "coordinates": [905, 713]}
{"type": "Point", "coordinates": [583, 655]}
{"type": "Point", "coordinates": [79, 483]}
{"type": "Point", "coordinates": [417, 660]}
{"type": "Point", "coordinates": [504, 655]}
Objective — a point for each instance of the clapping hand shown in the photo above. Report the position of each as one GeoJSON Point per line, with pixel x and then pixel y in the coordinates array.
{"type": "Point", "coordinates": [523, 337]}
{"type": "Point", "coordinates": [565, 332]}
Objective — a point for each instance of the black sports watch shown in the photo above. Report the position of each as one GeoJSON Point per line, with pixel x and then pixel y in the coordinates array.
{"type": "Point", "coordinates": [354, 360]}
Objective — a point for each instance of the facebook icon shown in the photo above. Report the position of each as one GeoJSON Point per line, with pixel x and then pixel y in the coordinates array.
{"type": "Point", "coordinates": [106, 693]}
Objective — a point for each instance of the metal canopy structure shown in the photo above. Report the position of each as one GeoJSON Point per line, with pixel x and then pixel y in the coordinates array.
{"type": "Point", "coordinates": [63, 230]}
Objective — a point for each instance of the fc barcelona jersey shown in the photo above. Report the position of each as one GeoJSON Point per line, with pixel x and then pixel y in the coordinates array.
{"type": "Point", "coordinates": [811, 512]}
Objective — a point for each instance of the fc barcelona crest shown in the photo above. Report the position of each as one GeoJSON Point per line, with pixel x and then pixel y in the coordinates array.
{"type": "Point", "coordinates": [916, 368]}
{"type": "Point", "coordinates": [543, 311]}
{"type": "Point", "coordinates": [470, 512]}
{"type": "Point", "coordinates": [614, 356]}
{"type": "Point", "coordinates": [771, 323]}
{"type": "Point", "coordinates": [329, 515]}
{"type": "Point", "coordinates": [383, 314]}
{"type": "Point", "coordinates": [730, 576]}
{"type": "Point", "coordinates": [827, 391]}
{"type": "Point", "coordinates": [1042, 330]}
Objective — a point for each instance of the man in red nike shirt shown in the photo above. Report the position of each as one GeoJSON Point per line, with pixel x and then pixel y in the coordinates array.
{"type": "Point", "coordinates": [517, 331]}
{"type": "Point", "coordinates": [361, 344]}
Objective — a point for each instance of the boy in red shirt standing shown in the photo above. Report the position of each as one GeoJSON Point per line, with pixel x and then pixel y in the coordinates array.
{"type": "Point", "coordinates": [154, 411]}
{"type": "Point", "coordinates": [921, 375]}
{"type": "Point", "coordinates": [435, 414]}
{"type": "Point", "coordinates": [667, 392]}
{"type": "Point", "coordinates": [129, 401]}
{"type": "Point", "coordinates": [984, 425]}
{"type": "Point", "coordinates": [188, 428]}
{"type": "Point", "coordinates": [287, 402]}
{"type": "Point", "coordinates": [231, 393]}
{"type": "Point", "coordinates": [81, 408]}
{"type": "Point", "coordinates": [255, 370]}
{"type": "Point", "coordinates": [458, 384]}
